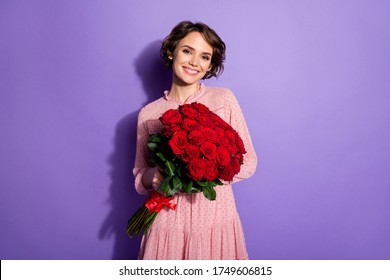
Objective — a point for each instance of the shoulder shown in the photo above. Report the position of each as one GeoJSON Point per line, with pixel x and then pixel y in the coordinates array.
{"type": "Point", "coordinates": [223, 94]}
{"type": "Point", "coordinates": [152, 110]}
{"type": "Point", "coordinates": [219, 90]}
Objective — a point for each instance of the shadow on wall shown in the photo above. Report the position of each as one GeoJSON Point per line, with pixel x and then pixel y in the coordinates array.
{"type": "Point", "coordinates": [124, 200]}
{"type": "Point", "coordinates": [152, 72]}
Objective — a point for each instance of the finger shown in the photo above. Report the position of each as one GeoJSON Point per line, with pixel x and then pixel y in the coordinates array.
{"type": "Point", "coordinates": [156, 183]}
{"type": "Point", "coordinates": [159, 176]}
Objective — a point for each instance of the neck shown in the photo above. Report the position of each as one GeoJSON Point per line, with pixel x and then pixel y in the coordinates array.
{"type": "Point", "coordinates": [183, 92]}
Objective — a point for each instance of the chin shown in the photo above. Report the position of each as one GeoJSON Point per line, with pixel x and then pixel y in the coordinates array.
{"type": "Point", "coordinates": [189, 81]}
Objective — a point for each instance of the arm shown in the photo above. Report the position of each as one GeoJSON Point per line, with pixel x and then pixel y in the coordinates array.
{"type": "Point", "coordinates": [141, 165]}
{"type": "Point", "coordinates": [237, 121]}
{"type": "Point", "coordinates": [146, 176]}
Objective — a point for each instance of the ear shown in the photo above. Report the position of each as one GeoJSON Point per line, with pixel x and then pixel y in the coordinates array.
{"type": "Point", "coordinates": [170, 56]}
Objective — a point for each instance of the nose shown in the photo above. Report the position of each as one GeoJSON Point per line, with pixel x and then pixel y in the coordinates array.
{"type": "Point", "coordinates": [193, 61]}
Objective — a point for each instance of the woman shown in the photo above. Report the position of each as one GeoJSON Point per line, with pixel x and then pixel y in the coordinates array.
{"type": "Point", "coordinates": [198, 228]}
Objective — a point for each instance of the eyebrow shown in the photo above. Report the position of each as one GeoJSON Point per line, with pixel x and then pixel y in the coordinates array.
{"type": "Point", "coordinates": [187, 46]}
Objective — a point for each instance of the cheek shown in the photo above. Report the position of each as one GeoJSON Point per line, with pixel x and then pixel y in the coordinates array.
{"type": "Point", "coordinates": [207, 66]}
{"type": "Point", "coordinates": [179, 57]}
{"type": "Point", "coordinates": [176, 62]}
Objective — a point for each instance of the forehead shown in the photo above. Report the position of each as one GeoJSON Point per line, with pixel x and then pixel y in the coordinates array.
{"type": "Point", "coordinates": [196, 41]}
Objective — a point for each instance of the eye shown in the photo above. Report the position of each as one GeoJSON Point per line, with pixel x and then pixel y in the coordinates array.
{"type": "Point", "coordinates": [206, 57]}
{"type": "Point", "coordinates": [186, 51]}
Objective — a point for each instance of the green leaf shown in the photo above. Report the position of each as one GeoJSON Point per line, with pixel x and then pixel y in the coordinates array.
{"type": "Point", "coordinates": [177, 184]}
{"type": "Point", "coordinates": [195, 190]}
{"type": "Point", "coordinates": [171, 190]}
{"type": "Point", "coordinates": [153, 147]}
{"type": "Point", "coordinates": [201, 183]}
{"type": "Point", "coordinates": [161, 156]}
{"type": "Point", "coordinates": [155, 138]}
{"type": "Point", "coordinates": [209, 192]}
{"type": "Point", "coordinates": [218, 182]}
{"type": "Point", "coordinates": [188, 187]}
{"type": "Point", "coordinates": [164, 187]}
{"type": "Point", "coordinates": [169, 168]}
{"type": "Point", "coordinates": [206, 183]}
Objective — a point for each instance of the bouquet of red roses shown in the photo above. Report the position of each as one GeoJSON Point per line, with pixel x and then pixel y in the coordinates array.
{"type": "Point", "coordinates": [196, 150]}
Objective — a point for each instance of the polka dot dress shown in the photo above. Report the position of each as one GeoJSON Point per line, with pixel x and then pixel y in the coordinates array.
{"type": "Point", "coordinates": [199, 229]}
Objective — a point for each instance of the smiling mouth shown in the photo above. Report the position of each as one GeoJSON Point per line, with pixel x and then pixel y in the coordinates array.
{"type": "Point", "coordinates": [190, 71]}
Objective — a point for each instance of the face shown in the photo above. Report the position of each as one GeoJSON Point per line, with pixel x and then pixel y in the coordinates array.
{"type": "Point", "coordinates": [191, 59]}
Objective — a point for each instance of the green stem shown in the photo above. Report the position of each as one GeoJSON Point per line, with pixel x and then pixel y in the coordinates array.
{"type": "Point", "coordinates": [140, 221]}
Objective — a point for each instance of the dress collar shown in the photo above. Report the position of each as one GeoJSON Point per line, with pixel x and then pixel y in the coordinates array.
{"type": "Point", "coordinates": [192, 98]}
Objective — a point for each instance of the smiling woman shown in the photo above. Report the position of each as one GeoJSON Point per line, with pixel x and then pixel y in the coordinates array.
{"type": "Point", "coordinates": [192, 59]}
{"type": "Point", "coordinates": [210, 37]}
{"type": "Point", "coordinates": [191, 62]}
{"type": "Point", "coordinates": [198, 228]}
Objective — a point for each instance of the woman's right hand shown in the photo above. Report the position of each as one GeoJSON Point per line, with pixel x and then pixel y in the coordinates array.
{"type": "Point", "coordinates": [152, 178]}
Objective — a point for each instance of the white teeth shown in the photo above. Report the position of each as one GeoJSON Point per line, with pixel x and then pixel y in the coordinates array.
{"type": "Point", "coordinates": [191, 71]}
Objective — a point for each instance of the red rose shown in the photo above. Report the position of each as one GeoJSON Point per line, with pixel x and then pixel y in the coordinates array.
{"type": "Point", "coordinates": [171, 116]}
{"type": "Point", "coordinates": [210, 134]}
{"type": "Point", "coordinates": [222, 140]}
{"type": "Point", "coordinates": [230, 135]}
{"type": "Point", "coordinates": [223, 157]}
{"type": "Point", "coordinates": [233, 150]}
{"type": "Point", "coordinates": [188, 111]}
{"type": "Point", "coordinates": [209, 150]}
{"type": "Point", "coordinates": [178, 142]}
{"type": "Point", "coordinates": [211, 173]}
{"type": "Point", "coordinates": [196, 168]}
{"type": "Point", "coordinates": [206, 120]}
{"type": "Point", "coordinates": [200, 107]}
{"type": "Point", "coordinates": [217, 120]}
{"type": "Point", "coordinates": [220, 122]}
{"type": "Point", "coordinates": [171, 129]}
{"type": "Point", "coordinates": [196, 137]}
{"type": "Point", "coordinates": [223, 124]}
{"type": "Point", "coordinates": [241, 158]}
{"type": "Point", "coordinates": [240, 144]}
{"type": "Point", "coordinates": [227, 173]}
{"type": "Point", "coordinates": [220, 132]}
{"type": "Point", "coordinates": [236, 165]}
{"type": "Point", "coordinates": [191, 152]}
{"type": "Point", "coordinates": [189, 124]}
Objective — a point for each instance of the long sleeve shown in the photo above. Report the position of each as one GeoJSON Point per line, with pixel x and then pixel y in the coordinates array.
{"type": "Point", "coordinates": [141, 163]}
{"type": "Point", "coordinates": [237, 121]}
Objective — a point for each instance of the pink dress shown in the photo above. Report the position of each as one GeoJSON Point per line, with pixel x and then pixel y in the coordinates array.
{"type": "Point", "coordinates": [199, 229]}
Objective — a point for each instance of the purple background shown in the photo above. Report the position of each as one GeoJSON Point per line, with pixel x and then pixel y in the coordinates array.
{"type": "Point", "coordinates": [313, 81]}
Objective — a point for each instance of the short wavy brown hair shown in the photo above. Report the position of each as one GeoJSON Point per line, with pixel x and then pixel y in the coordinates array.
{"type": "Point", "coordinates": [181, 30]}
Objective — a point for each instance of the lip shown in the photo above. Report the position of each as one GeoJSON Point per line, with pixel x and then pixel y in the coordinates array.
{"type": "Point", "coordinates": [190, 71]}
